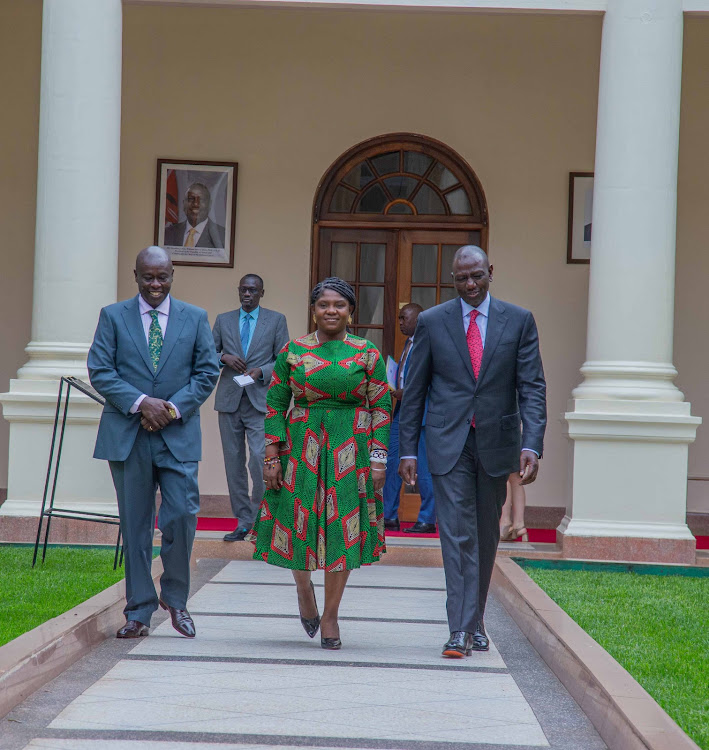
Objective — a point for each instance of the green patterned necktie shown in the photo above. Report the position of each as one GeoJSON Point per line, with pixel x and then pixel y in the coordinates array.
{"type": "Point", "coordinates": [154, 339]}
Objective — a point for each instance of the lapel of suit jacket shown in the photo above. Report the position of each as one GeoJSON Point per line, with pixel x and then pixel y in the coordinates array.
{"type": "Point", "coordinates": [496, 322]}
{"type": "Point", "coordinates": [175, 324]}
{"type": "Point", "coordinates": [131, 317]}
{"type": "Point", "coordinates": [258, 329]}
{"type": "Point", "coordinates": [453, 319]}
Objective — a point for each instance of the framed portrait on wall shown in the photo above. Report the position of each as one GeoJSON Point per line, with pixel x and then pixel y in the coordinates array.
{"type": "Point", "coordinates": [195, 211]}
{"type": "Point", "coordinates": [578, 246]}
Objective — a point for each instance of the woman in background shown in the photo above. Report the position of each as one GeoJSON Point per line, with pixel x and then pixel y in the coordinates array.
{"type": "Point", "coordinates": [325, 461]}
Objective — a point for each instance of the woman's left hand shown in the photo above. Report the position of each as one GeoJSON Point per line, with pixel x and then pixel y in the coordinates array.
{"type": "Point", "coordinates": [379, 476]}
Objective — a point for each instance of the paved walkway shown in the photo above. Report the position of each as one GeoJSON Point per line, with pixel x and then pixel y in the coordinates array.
{"type": "Point", "coordinates": [252, 679]}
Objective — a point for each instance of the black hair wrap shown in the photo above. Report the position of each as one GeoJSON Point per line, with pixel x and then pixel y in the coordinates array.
{"type": "Point", "coordinates": [336, 284]}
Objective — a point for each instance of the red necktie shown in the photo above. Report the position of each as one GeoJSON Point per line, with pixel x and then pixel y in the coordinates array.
{"type": "Point", "coordinates": [475, 343]}
{"type": "Point", "coordinates": [475, 347]}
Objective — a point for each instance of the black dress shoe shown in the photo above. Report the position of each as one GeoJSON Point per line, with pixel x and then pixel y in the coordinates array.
{"type": "Point", "coordinates": [480, 640]}
{"type": "Point", "coordinates": [311, 625]}
{"type": "Point", "coordinates": [421, 528]}
{"type": "Point", "coordinates": [392, 524]}
{"type": "Point", "coordinates": [133, 629]}
{"type": "Point", "coordinates": [459, 644]}
{"type": "Point", "coordinates": [238, 535]}
{"type": "Point", "coordinates": [331, 644]}
{"type": "Point", "coordinates": [181, 620]}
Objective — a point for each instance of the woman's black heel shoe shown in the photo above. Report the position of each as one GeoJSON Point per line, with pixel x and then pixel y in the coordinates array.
{"type": "Point", "coordinates": [311, 625]}
{"type": "Point", "coordinates": [331, 644]}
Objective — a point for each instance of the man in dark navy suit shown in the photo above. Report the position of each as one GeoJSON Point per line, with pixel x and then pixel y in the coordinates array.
{"type": "Point", "coordinates": [478, 360]}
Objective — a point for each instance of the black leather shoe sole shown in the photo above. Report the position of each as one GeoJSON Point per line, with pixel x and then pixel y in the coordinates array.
{"type": "Point", "coordinates": [237, 535]}
{"type": "Point", "coordinates": [424, 528]}
{"type": "Point", "coordinates": [133, 629]}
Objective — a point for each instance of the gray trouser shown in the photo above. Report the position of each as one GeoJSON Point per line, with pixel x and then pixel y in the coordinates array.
{"type": "Point", "coordinates": [468, 504]}
{"type": "Point", "coordinates": [151, 464]}
{"type": "Point", "coordinates": [245, 422]}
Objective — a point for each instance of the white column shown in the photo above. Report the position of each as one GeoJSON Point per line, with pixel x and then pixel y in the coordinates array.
{"type": "Point", "coordinates": [630, 424]}
{"type": "Point", "coordinates": [76, 245]}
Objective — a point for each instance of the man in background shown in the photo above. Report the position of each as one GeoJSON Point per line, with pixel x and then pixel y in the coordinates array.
{"type": "Point", "coordinates": [198, 230]}
{"type": "Point", "coordinates": [248, 341]}
{"type": "Point", "coordinates": [426, 521]}
{"type": "Point", "coordinates": [153, 361]}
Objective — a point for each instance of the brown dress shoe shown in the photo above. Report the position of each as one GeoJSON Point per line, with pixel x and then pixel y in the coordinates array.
{"type": "Point", "coordinates": [133, 629]}
{"type": "Point", "coordinates": [181, 620]}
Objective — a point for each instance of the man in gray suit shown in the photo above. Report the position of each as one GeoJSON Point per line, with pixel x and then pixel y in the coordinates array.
{"type": "Point", "coordinates": [198, 230]}
{"type": "Point", "coordinates": [478, 359]}
{"type": "Point", "coordinates": [153, 361]}
{"type": "Point", "coordinates": [248, 341]}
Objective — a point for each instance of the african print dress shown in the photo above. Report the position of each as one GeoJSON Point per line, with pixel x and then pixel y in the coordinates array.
{"type": "Point", "coordinates": [327, 514]}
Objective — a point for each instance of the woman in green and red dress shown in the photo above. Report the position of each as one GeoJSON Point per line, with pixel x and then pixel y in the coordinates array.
{"type": "Point", "coordinates": [325, 460]}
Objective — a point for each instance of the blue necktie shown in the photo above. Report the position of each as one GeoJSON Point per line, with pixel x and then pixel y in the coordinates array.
{"type": "Point", "coordinates": [246, 333]}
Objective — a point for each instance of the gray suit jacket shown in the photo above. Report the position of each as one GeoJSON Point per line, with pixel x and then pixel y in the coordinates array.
{"type": "Point", "coordinates": [270, 336]}
{"type": "Point", "coordinates": [120, 369]}
{"type": "Point", "coordinates": [212, 236]}
{"type": "Point", "coordinates": [510, 389]}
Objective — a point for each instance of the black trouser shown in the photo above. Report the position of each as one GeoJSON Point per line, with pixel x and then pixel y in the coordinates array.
{"type": "Point", "coordinates": [468, 504]}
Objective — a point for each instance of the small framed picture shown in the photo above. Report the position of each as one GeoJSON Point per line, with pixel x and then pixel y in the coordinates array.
{"type": "Point", "coordinates": [578, 247]}
{"type": "Point", "coordinates": [195, 211]}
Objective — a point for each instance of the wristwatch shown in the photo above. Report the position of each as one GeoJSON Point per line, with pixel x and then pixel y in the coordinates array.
{"type": "Point", "coordinates": [173, 413]}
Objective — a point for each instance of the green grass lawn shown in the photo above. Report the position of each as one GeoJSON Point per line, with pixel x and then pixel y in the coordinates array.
{"type": "Point", "coordinates": [30, 596]}
{"type": "Point", "coordinates": [656, 626]}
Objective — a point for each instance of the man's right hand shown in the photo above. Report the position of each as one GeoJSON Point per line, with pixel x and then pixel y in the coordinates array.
{"type": "Point", "coordinates": [407, 470]}
{"type": "Point", "coordinates": [155, 412]}
{"type": "Point", "coordinates": [236, 363]}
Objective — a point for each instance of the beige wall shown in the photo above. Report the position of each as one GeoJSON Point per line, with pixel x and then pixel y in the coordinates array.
{"type": "Point", "coordinates": [691, 297]}
{"type": "Point", "coordinates": [285, 92]}
{"type": "Point", "coordinates": [20, 46]}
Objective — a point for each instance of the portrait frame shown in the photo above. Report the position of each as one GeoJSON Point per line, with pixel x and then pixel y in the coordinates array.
{"type": "Point", "coordinates": [578, 244]}
{"type": "Point", "coordinates": [173, 180]}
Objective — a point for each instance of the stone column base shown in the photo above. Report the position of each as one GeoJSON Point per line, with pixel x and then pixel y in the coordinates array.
{"type": "Point", "coordinates": [629, 484]}
{"type": "Point", "coordinates": [609, 543]}
{"type": "Point", "coordinates": [83, 482]}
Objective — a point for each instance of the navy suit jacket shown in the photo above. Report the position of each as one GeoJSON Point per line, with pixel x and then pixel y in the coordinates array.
{"type": "Point", "coordinates": [510, 389]}
{"type": "Point", "coordinates": [120, 369]}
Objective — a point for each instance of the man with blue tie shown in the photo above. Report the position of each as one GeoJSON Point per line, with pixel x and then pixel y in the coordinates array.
{"type": "Point", "coordinates": [153, 361]}
{"type": "Point", "coordinates": [426, 521]}
{"type": "Point", "coordinates": [247, 341]}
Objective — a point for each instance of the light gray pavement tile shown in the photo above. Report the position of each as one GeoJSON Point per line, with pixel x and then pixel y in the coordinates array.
{"type": "Point", "coordinates": [254, 599]}
{"type": "Point", "coordinates": [368, 575]}
{"type": "Point", "coordinates": [417, 644]}
{"type": "Point", "coordinates": [288, 700]}
{"type": "Point", "coordinates": [131, 744]}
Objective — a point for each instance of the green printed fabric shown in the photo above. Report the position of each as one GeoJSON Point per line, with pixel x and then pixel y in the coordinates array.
{"type": "Point", "coordinates": [327, 514]}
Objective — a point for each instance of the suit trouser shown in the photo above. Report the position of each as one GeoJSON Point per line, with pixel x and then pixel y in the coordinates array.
{"type": "Point", "coordinates": [469, 504]}
{"type": "Point", "coordinates": [150, 465]}
{"type": "Point", "coordinates": [392, 485]}
{"type": "Point", "coordinates": [245, 422]}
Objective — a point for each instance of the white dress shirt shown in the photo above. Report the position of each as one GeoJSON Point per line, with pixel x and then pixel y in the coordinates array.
{"type": "Point", "coordinates": [146, 319]}
{"type": "Point", "coordinates": [197, 231]}
{"type": "Point", "coordinates": [484, 312]}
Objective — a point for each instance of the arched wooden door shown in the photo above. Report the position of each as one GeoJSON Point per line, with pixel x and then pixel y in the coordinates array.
{"type": "Point", "coordinates": [389, 214]}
